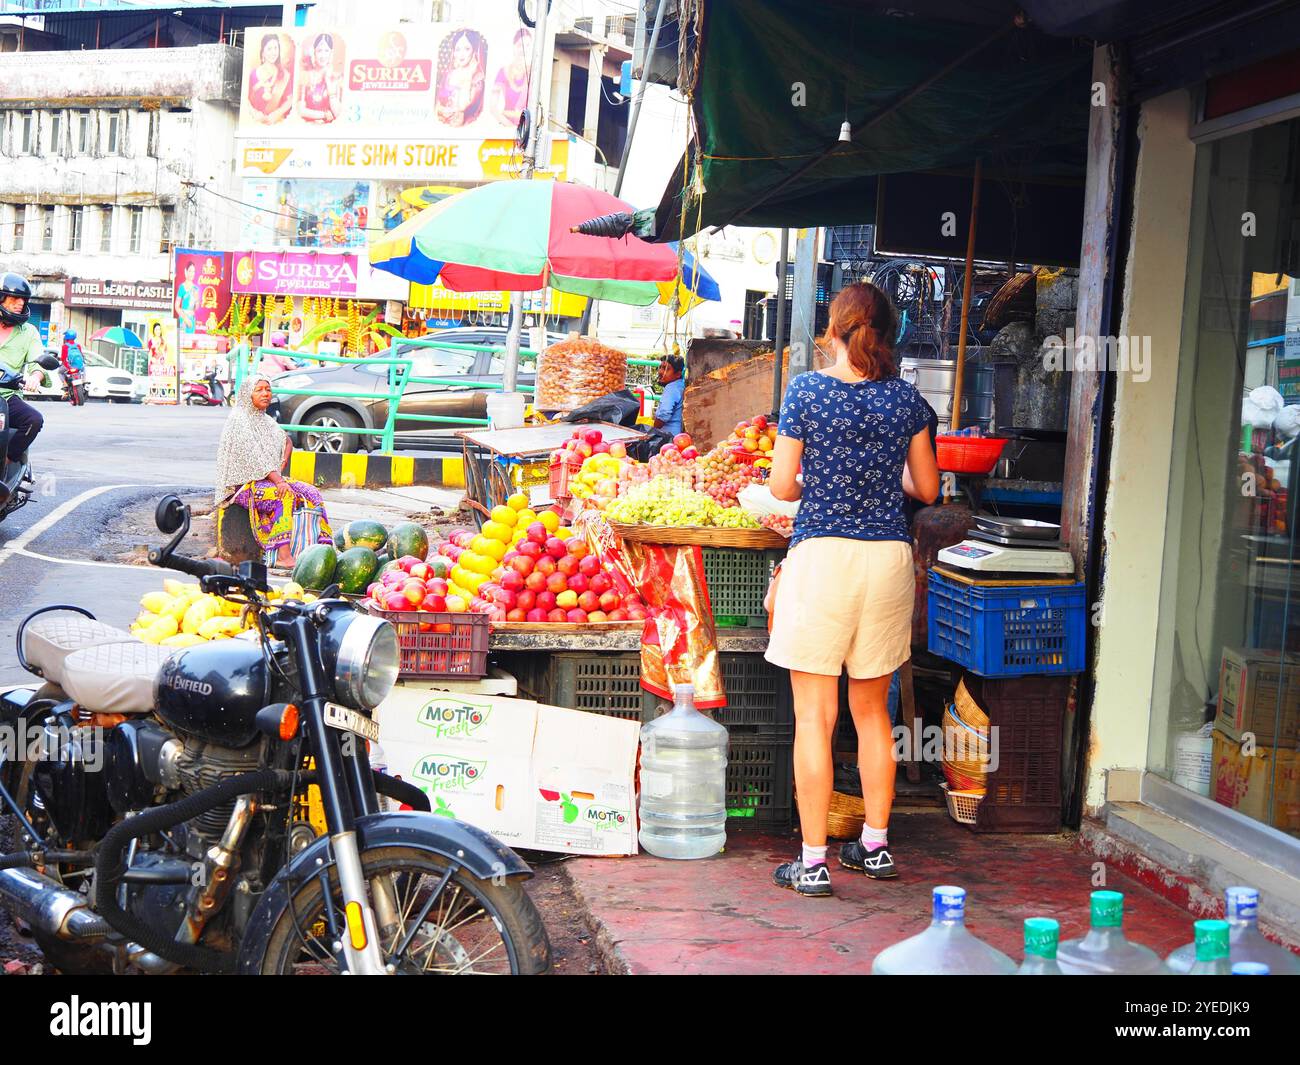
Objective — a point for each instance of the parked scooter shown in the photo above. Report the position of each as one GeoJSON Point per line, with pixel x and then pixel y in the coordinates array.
{"type": "Point", "coordinates": [209, 392]}
{"type": "Point", "coordinates": [15, 477]}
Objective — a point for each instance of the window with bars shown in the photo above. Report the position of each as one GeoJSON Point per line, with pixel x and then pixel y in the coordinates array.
{"type": "Point", "coordinates": [75, 218]}
{"type": "Point", "coordinates": [137, 229]}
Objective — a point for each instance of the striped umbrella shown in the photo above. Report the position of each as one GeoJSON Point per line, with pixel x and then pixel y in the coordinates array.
{"type": "Point", "coordinates": [515, 236]}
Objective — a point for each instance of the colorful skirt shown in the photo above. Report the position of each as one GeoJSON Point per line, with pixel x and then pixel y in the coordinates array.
{"type": "Point", "coordinates": [291, 514]}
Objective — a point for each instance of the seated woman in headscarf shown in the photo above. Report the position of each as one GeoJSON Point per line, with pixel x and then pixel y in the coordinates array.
{"type": "Point", "coordinates": [287, 516]}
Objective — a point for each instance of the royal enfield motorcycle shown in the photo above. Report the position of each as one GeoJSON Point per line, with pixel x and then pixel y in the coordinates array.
{"type": "Point", "coordinates": [159, 813]}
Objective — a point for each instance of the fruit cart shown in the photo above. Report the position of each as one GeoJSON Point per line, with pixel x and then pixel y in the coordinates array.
{"type": "Point", "coordinates": [500, 462]}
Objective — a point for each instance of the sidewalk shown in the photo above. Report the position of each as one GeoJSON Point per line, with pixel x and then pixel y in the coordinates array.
{"type": "Point", "coordinates": [387, 505]}
{"type": "Point", "coordinates": [723, 915]}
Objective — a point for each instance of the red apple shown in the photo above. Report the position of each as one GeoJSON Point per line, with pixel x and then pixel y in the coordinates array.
{"type": "Point", "coordinates": [407, 561]}
{"type": "Point", "coordinates": [557, 582]}
{"type": "Point", "coordinates": [376, 586]}
{"type": "Point", "coordinates": [396, 601]}
{"type": "Point", "coordinates": [535, 582]}
{"type": "Point", "coordinates": [600, 449]}
{"type": "Point", "coordinates": [535, 615]}
{"type": "Point", "coordinates": [557, 615]}
{"type": "Point", "coordinates": [682, 440]}
{"type": "Point", "coordinates": [670, 453]}
{"type": "Point", "coordinates": [523, 564]}
{"type": "Point", "coordinates": [556, 548]}
{"type": "Point", "coordinates": [585, 450]}
{"type": "Point", "coordinates": [690, 453]}
{"type": "Point", "coordinates": [512, 580]}
{"type": "Point", "coordinates": [592, 437]}
{"type": "Point", "coordinates": [618, 615]}
{"type": "Point", "coordinates": [437, 586]}
{"type": "Point", "coordinates": [546, 600]}
{"type": "Point", "coordinates": [599, 582]}
{"type": "Point", "coordinates": [589, 601]}
{"type": "Point", "coordinates": [509, 557]}
{"type": "Point", "coordinates": [414, 592]}
{"type": "Point", "coordinates": [578, 583]}
{"type": "Point", "coordinates": [577, 434]}
{"type": "Point", "coordinates": [545, 566]}
{"type": "Point", "coordinates": [589, 565]}
{"type": "Point", "coordinates": [578, 548]}
{"type": "Point", "coordinates": [636, 613]}
{"type": "Point", "coordinates": [577, 616]}
{"type": "Point", "coordinates": [394, 578]}
{"type": "Point", "coordinates": [759, 422]}
{"type": "Point", "coordinates": [568, 565]}
{"type": "Point", "coordinates": [504, 598]}
{"type": "Point", "coordinates": [497, 614]}
{"type": "Point", "coordinates": [618, 450]}
{"type": "Point", "coordinates": [436, 603]}
{"type": "Point", "coordinates": [597, 616]}
{"type": "Point", "coordinates": [609, 601]}
{"type": "Point", "coordinates": [530, 549]}
{"type": "Point", "coordinates": [422, 570]}
{"type": "Point", "coordinates": [538, 533]}
{"type": "Point", "coordinates": [526, 599]}
{"type": "Point", "coordinates": [516, 615]}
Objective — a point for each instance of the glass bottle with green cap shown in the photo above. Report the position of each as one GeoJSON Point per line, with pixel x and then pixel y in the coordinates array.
{"type": "Point", "coordinates": [946, 948]}
{"type": "Point", "coordinates": [1245, 941]}
{"type": "Point", "coordinates": [1211, 939]}
{"type": "Point", "coordinates": [1042, 934]}
{"type": "Point", "coordinates": [1104, 951]}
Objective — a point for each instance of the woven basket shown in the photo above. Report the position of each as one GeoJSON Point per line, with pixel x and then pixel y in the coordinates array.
{"type": "Point", "coordinates": [759, 539]}
{"type": "Point", "coordinates": [846, 816]}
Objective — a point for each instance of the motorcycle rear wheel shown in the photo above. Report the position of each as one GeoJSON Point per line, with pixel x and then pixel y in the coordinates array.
{"type": "Point", "coordinates": [466, 925]}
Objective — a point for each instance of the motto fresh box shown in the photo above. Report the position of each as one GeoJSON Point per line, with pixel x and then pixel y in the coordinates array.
{"type": "Point", "coordinates": [535, 776]}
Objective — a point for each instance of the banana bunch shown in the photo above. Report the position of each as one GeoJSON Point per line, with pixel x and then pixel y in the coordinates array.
{"type": "Point", "coordinates": [182, 615]}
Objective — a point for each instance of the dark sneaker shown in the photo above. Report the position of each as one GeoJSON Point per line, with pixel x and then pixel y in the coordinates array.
{"type": "Point", "coordinates": [877, 864]}
{"type": "Point", "coordinates": [814, 882]}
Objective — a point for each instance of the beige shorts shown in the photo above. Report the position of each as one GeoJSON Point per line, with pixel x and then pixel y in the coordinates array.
{"type": "Point", "coordinates": [844, 602]}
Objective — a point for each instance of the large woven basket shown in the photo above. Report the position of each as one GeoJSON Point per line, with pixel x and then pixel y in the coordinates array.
{"type": "Point", "coordinates": [760, 539]}
{"type": "Point", "coordinates": [846, 816]}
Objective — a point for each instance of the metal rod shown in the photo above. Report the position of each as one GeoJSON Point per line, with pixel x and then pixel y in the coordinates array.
{"type": "Point", "coordinates": [778, 389]}
{"type": "Point", "coordinates": [965, 296]}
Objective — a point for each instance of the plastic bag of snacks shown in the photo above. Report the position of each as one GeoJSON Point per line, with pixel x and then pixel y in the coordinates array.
{"type": "Point", "coordinates": [576, 371]}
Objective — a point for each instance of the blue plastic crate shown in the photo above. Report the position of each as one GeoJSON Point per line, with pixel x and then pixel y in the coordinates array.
{"type": "Point", "coordinates": [1027, 630]}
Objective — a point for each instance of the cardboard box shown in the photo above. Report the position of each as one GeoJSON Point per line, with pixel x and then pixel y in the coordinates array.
{"type": "Point", "coordinates": [1264, 785]}
{"type": "Point", "coordinates": [1249, 682]}
{"type": "Point", "coordinates": [535, 776]}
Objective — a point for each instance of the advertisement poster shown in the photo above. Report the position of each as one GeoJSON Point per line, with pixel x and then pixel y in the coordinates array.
{"type": "Point", "coordinates": [160, 344]}
{"type": "Point", "coordinates": [202, 290]}
{"type": "Point", "coordinates": [344, 275]}
{"type": "Point", "coordinates": [306, 213]}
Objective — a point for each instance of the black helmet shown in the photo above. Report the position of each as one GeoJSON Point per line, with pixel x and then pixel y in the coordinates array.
{"type": "Point", "coordinates": [12, 284]}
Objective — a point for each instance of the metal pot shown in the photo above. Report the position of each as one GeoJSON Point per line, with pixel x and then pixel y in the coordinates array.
{"type": "Point", "coordinates": [934, 379]}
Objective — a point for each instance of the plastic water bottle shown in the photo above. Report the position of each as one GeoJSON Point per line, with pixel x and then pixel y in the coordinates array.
{"type": "Point", "coordinates": [379, 763]}
{"type": "Point", "coordinates": [683, 781]}
{"type": "Point", "coordinates": [1104, 951]}
{"type": "Point", "coordinates": [1245, 941]}
{"type": "Point", "coordinates": [1249, 968]}
{"type": "Point", "coordinates": [1042, 935]}
{"type": "Point", "coordinates": [1211, 949]}
{"type": "Point", "coordinates": [946, 948]}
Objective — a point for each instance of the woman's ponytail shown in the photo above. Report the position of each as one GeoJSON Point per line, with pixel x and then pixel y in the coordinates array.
{"type": "Point", "coordinates": [865, 321]}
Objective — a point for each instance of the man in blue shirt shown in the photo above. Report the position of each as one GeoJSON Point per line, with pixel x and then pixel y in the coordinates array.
{"type": "Point", "coordinates": [668, 414]}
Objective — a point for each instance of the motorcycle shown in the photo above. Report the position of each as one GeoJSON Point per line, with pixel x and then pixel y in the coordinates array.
{"type": "Point", "coordinates": [160, 807]}
{"type": "Point", "coordinates": [74, 386]}
{"type": "Point", "coordinates": [206, 393]}
{"type": "Point", "coordinates": [16, 481]}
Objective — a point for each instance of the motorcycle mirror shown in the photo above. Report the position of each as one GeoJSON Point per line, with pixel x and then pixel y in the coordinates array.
{"type": "Point", "coordinates": [47, 361]}
{"type": "Point", "coordinates": [170, 515]}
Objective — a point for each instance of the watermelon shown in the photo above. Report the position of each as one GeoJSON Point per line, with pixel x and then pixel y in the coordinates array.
{"type": "Point", "coordinates": [408, 539]}
{"type": "Point", "coordinates": [386, 567]}
{"type": "Point", "coordinates": [315, 567]}
{"type": "Point", "coordinates": [356, 568]}
{"type": "Point", "coordinates": [384, 558]}
{"type": "Point", "coordinates": [441, 566]}
{"type": "Point", "coordinates": [340, 543]}
{"type": "Point", "coordinates": [364, 533]}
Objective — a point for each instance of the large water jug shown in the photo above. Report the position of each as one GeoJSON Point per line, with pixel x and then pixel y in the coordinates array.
{"type": "Point", "coordinates": [1245, 941]}
{"type": "Point", "coordinates": [1104, 951]}
{"type": "Point", "coordinates": [1211, 949]}
{"type": "Point", "coordinates": [683, 781]}
{"type": "Point", "coordinates": [1042, 937]}
{"type": "Point", "coordinates": [946, 948]}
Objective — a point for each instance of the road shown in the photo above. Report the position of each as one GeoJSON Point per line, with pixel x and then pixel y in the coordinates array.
{"type": "Point", "coordinates": [90, 463]}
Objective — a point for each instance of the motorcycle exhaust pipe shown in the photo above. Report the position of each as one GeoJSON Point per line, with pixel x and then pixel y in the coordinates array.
{"type": "Point", "coordinates": [49, 906]}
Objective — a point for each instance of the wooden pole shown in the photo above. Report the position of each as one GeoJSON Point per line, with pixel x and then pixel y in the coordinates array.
{"type": "Point", "coordinates": [965, 298]}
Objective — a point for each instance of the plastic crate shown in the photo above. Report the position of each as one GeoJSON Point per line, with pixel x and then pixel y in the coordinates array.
{"type": "Point", "coordinates": [1025, 630]}
{"type": "Point", "coordinates": [737, 579]}
{"type": "Point", "coordinates": [760, 783]}
{"type": "Point", "coordinates": [561, 473]}
{"type": "Point", "coordinates": [600, 683]}
{"type": "Point", "coordinates": [1024, 793]}
{"type": "Point", "coordinates": [435, 644]}
{"type": "Point", "coordinates": [759, 699]}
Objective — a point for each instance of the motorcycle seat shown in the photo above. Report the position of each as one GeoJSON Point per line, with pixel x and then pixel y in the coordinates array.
{"type": "Point", "coordinates": [114, 678]}
{"type": "Point", "coordinates": [51, 638]}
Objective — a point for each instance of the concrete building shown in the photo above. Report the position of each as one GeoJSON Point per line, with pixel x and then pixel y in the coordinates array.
{"type": "Point", "coordinates": [104, 151]}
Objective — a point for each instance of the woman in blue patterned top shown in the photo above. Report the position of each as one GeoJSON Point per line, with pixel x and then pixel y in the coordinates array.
{"type": "Point", "coordinates": [862, 436]}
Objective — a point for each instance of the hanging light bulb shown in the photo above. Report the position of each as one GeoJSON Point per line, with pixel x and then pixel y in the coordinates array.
{"type": "Point", "coordinates": [846, 132]}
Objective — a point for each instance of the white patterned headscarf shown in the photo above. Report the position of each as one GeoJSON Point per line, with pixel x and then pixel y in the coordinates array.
{"type": "Point", "coordinates": [252, 444]}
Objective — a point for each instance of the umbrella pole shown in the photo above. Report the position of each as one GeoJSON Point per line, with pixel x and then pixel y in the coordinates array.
{"type": "Point", "coordinates": [778, 390]}
{"type": "Point", "coordinates": [965, 299]}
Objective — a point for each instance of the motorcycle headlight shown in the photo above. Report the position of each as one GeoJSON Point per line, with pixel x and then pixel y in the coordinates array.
{"type": "Point", "coordinates": [365, 664]}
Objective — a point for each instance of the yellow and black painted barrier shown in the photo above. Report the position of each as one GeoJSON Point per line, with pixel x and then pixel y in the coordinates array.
{"type": "Point", "coordinates": [326, 470]}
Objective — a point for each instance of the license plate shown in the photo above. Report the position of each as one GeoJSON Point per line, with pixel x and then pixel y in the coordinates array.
{"type": "Point", "coordinates": [346, 720]}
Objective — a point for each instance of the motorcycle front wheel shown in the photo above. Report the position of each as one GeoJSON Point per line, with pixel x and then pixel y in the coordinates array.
{"type": "Point", "coordinates": [446, 924]}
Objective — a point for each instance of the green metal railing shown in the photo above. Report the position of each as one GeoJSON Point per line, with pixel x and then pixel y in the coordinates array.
{"type": "Point", "coordinates": [399, 379]}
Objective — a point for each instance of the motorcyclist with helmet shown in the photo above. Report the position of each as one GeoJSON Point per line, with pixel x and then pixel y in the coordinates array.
{"type": "Point", "coordinates": [20, 348]}
{"type": "Point", "coordinates": [71, 355]}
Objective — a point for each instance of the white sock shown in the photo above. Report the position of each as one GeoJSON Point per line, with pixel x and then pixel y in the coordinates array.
{"type": "Point", "coordinates": [813, 856]}
{"type": "Point", "coordinates": [874, 838]}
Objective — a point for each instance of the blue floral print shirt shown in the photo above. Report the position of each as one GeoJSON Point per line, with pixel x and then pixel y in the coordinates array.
{"type": "Point", "coordinates": [855, 439]}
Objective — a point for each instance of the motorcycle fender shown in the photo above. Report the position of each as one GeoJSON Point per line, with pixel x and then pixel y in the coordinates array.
{"type": "Point", "coordinates": [479, 853]}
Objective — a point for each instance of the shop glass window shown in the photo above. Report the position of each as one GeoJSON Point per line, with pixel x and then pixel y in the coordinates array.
{"type": "Point", "coordinates": [47, 229]}
{"type": "Point", "coordinates": [1226, 710]}
{"type": "Point", "coordinates": [74, 228]}
{"type": "Point", "coordinates": [106, 230]}
{"type": "Point", "coordinates": [85, 132]}
{"type": "Point", "coordinates": [137, 229]}
{"type": "Point", "coordinates": [56, 133]}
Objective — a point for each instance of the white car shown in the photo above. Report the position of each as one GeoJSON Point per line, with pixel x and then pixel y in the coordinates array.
{"type": "Point", "coordinates": [49, 383]}
{"type": "Point", "coordinates": [104, 380]}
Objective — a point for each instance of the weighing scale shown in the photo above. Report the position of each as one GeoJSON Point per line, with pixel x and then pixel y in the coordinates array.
{"type": "Point", "coordinates": [1011, 547]}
